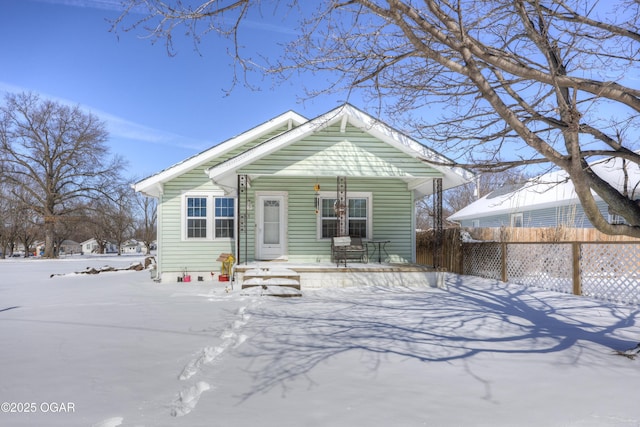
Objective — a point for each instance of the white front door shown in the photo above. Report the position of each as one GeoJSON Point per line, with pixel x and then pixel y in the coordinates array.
{"type": "Point", "coordinates": [271, 226]}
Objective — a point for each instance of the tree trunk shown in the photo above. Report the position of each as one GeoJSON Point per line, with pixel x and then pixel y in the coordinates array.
{"type": "Point", "coordinates": [49, 238]}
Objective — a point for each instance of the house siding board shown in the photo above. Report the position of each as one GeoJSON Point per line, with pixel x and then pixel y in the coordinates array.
{"type": "Point", "coordinates": [392, 208]}
{"type": "Point", "coordinates": [349, 153]}
{"type": "Point", "coordinates": [247, 146]}
{"type": "Point", "coordinates": [175, 254]}
{"type": "Point", "coordinates": [568, 215]}
{"type": "Point", "coordinates": [391, 212]}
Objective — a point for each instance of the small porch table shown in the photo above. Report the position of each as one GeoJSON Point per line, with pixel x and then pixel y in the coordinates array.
{"type": "Point", "coordinates": [378, 246]}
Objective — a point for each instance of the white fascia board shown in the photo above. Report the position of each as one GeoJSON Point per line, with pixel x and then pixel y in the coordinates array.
{"type": "Point", "coordinates": [154, 182]}
{"type": "Point", "coordinates": [507, 208]}
{"type": "Point", "coordinates": [453, 176]}
{"type": "Point", "coordinates": [230, 166]}
{"type": "Point", "coordinates": [507, 205]}
{"type": "Point", "coordinates": [154, 190]}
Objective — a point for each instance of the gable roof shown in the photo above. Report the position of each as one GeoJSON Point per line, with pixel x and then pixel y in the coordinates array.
{"type": "Point", "coordinates": [152, 186]}
{"type": "Point", "coordinates": [298, 128]}
{"type": "Point", "coordinates": [347, 114]}
{"type": "Point", "coordinates": [552, 189]}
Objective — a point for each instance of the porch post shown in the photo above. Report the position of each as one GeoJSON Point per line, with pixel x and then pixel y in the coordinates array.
{"type": "Point", "coordinates": [242, 218]}
{"type": "Point", "coordinates": [437, 223]}
{"type": "Point", "coordinates": [341, 206]}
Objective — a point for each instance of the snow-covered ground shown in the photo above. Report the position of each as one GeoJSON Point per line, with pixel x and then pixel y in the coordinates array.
{"type": "Point", "coordinates": [118, 349]}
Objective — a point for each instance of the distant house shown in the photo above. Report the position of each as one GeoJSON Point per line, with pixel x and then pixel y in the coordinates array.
{"type": "Point", "coordinates": [548, 200]}
{"type": "Point", "coordinates": [91, 247]}
{"type": "Point", "coordinates": [132, 246]}
{"type": "Point", "coordinates": [70, 247]}
{"type": "Point", "coordinates": [281, 191]}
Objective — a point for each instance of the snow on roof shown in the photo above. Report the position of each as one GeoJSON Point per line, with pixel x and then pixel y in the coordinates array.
{"type": "Point", "coordinates": [548, 190]}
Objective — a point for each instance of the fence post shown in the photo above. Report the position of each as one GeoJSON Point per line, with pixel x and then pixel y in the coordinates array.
{"type": "Point", "coordinates": [503, 261]}
{"type": "Point", "coordinates": [577, 286]}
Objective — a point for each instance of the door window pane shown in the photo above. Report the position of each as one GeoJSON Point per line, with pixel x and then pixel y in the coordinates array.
{"type": "Point", "coordinates": [271, 218]}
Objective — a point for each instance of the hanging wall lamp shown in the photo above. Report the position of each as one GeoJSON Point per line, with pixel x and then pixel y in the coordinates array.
{"type": "Point", "coordinates": [316, 188]}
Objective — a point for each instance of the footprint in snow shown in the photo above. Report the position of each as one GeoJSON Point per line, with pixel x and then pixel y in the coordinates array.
{"type": "Point", "coordinates": [207, 355]}
{"type": "Point", "coordinates": [188, 399]}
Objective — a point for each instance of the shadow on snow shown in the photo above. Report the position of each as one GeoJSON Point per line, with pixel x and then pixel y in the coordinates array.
{"type": "Point", "coordinates": [292, 336]}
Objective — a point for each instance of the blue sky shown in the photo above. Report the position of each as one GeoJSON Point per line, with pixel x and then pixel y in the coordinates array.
{"type": "Point", "coordinates": [159, 109]}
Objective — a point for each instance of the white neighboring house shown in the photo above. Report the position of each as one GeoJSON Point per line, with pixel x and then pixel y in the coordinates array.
{"type": "Point", "coordinates": [91, 247]}
{"type": "Point", "coordinates": [132, 246]}
{"type": "Point", "coordinates": [547, 200]}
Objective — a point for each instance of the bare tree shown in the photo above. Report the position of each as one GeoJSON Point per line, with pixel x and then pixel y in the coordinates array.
{"type": "Point", "coordinates": [56, 155]}
{"type": "Point", "coordinates": [457, 198]}
{"type": "Point", "coordinates": [114, 215]}
{"type": "Point", "coordinates": [146, 219]}
{"type": "Point", "coordinates": [10, 220]}
{"type": "Point", "coordinates": [27, 227]}
{"type": "Point", "coordinates": [100, 232]}
{"type": "Point", "coordinates": [501, 82]}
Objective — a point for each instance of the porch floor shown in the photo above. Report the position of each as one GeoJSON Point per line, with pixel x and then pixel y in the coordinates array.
{"type": "Point", "coordinates": [327, 275]}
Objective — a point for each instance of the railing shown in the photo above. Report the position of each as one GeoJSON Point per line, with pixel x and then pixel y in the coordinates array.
{"type": "Point", "coordinates": [605, 270]}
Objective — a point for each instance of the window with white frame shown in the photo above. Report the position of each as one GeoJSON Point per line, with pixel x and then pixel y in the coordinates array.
{"type": "Point", "coordinates": [616, 219]}
{"type": "Point", "coordinates": [517, 220]}
{"type": "Point", "coordinates": [224, 223]}
{"type": "Point", "coordinates": [196, 217]}
{"type": "Point", "coordinates": [358, 215]}
{"type": "Point", "coordinates": [208, 217]}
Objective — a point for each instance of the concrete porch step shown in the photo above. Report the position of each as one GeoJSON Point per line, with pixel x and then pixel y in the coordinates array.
{"type": "Point", "coordinates": [280, 282]}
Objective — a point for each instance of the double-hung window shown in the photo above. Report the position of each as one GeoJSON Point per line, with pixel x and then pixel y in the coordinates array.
{"type": "Point", "coordinates": [224, 216]}
{"type": "Point", "coordinates": [196, 217]}
{"type": "Point", "coordinates": [208, 217]}
{"type": "Point", "coordinates": [358, 215]}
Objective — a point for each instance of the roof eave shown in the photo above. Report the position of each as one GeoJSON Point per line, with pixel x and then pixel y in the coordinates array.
{"type": "Point", "coordinates": [147, 185]}
{"type": "Point", "coordinates": [275, 144]}
{"type": "Point", "coordinates": [452, 177]}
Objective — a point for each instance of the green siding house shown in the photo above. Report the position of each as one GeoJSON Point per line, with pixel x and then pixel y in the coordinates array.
{"type": "Point", "coordinates": [270, 193]}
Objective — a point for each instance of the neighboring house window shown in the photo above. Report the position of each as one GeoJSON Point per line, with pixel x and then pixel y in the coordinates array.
{"type": "Point", "coordinates": [616, 219]}
{"type": "Point", "coordinates": [224, 217]}
{"type": "Point", "coordinates": [517, 220]}
{"type": "Point", "coordinates": [475, 223]}
{"type": "Point", "coordinates": [209, 217]}
{"type": "Point", "coordinates": [358, 216]}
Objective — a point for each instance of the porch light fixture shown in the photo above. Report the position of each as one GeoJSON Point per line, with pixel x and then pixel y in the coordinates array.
{"type": "Point", "coordinates": [317, 190]}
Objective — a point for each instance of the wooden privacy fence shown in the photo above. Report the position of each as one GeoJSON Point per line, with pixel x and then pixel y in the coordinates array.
{"type": "Point", "coordinates": [605, 270]}
{"type": "Point", "coordinates": [451, 249]}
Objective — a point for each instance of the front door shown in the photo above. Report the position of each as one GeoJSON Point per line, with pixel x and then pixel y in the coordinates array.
{"type": "Point", "coordinates": [271, 222]}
